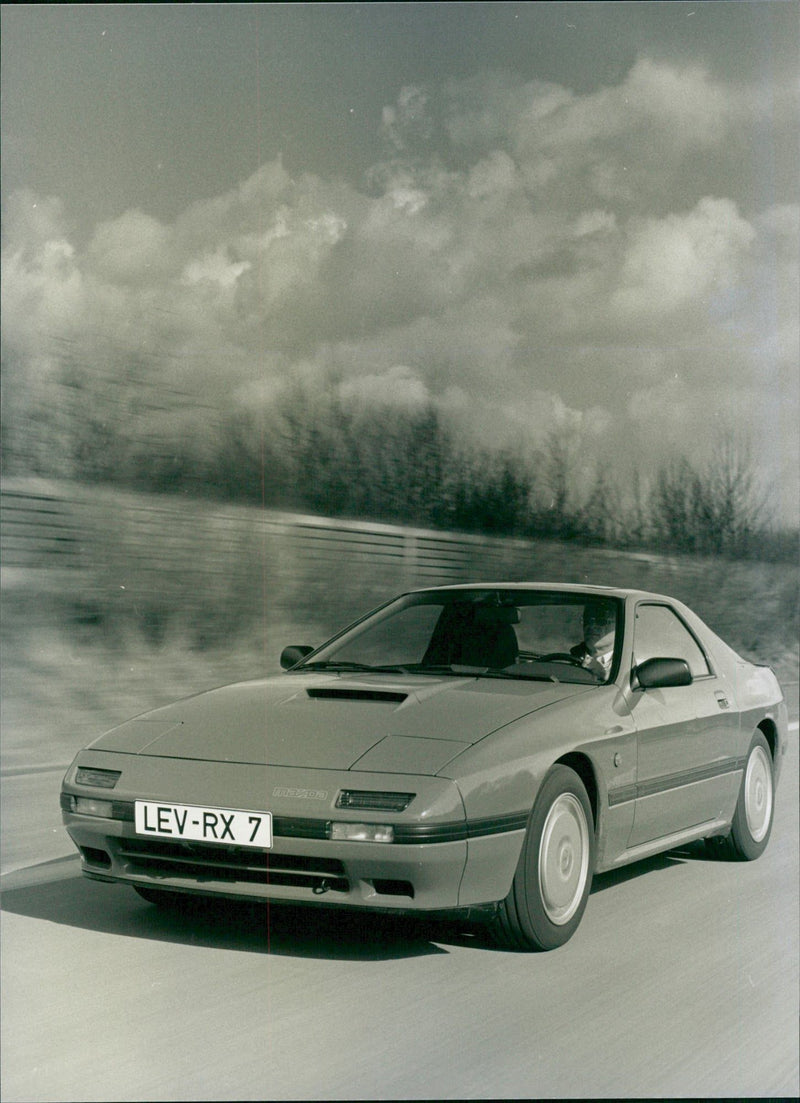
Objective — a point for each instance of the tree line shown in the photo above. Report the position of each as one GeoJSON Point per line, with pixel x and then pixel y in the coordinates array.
{"type": "Point", "coordinates": [310, 450]}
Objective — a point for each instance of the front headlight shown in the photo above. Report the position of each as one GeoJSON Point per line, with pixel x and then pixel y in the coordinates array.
{"type": "Point", "coordinates": [362, 832]}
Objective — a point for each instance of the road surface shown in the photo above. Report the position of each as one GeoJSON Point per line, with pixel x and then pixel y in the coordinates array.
{"type": "Point", "coordinates": [681, 981]}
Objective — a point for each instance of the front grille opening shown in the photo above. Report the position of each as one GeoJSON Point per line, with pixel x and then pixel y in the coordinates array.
{"type": "Point", "coordinates": [94, 857]}
{"type": "Point", "coordinates": [200, 863]}
{"type": "Point", "coordinates": [387, 887]}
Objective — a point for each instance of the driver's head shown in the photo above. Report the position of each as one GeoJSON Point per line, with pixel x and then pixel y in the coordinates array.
{"type": "Point", "coordinates": [599, 620]}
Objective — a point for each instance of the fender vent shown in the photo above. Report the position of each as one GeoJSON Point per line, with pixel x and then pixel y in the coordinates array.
{"type": "Point", "coordinates": [385, 695]}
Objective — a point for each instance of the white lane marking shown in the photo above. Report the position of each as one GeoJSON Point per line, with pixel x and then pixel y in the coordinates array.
{"type": "Point", "coordinates": [794, 726]}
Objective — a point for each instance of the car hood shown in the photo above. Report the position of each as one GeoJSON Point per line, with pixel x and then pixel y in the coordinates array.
{"type": "Point", "coordinates": [376, 723]}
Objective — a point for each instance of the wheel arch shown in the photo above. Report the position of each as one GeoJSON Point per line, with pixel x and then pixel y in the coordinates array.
{"type": "Point", "coordinates": [582, 765]}
{"type": "Point", "coordinates": [769, 730]}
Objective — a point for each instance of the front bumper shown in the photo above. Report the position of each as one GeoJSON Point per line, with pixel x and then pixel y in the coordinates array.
{"type": "Point", "coordinates": [434, 864]}
{"type": "Point", "coordinates": [412, 876]}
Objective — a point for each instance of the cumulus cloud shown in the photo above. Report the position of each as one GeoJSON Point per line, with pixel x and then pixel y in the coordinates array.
{"type": "Point", "coordinates": [43, 286]}
{"type": "Point", "coordinates": [216, 268]}
{"type": "Point", "coordinates": [631, 144]}
{"type": "Point", "coordinates": [681, 259]}
{"type": "Point", "coordinates": [131, 248]}
{"type": "Point", "coordinates": [562, 262]}
{"type": "Point", "coordinates": [399, 387]}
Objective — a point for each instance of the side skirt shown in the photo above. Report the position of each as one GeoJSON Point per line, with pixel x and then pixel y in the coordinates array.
{"type": "Point", "coordinates": [666, 842]}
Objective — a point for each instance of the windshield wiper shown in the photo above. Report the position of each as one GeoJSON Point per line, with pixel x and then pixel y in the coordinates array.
{"type": "Point", "coordinates": [344, 665]}
{"type": "Point", "coordinates": [458, 670]}
{"type": "Point", "coordinates": [333, 664]}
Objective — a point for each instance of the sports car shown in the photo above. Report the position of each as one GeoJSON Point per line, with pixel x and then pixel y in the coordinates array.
{"type": "Point", "coordinates": [476, 750]}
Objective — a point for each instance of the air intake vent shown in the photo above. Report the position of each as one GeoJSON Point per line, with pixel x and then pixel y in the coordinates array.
{"type": "Point", "coordinates": [200, 863]}
{"type": "Point", "coordinates": [385, 695]}
{"type": "Point", "coordinates": [372, 800]}
{"type": "Point", "coordinates": [394, 888]}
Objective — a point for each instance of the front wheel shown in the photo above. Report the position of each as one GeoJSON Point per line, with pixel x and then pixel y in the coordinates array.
{"type": "Point", "coordinates": [551, 885]}
{"type": "Point", "coordinates": [752, 820]}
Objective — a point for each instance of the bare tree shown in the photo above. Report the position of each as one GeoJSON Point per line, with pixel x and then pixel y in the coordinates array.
{"type": "Point", "coordinates": [717, 508]}
{"type": "Point", "coordinates": [555, 510]}
{"type": "Point", "coordinates": [734, 506]}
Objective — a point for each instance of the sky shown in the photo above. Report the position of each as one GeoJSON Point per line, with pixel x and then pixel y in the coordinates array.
{"type": "Point", "coordinates": [580, 217]}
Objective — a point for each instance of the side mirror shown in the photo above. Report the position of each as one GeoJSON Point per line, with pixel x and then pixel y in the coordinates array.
{"type": "Point", "coordinates": [293, 654]}
{"type": "Point", "coordinates": [662, 673]}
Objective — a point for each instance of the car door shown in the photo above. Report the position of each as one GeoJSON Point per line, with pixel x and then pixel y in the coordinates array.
{"type": "Point", "coordinates": [686, 774]}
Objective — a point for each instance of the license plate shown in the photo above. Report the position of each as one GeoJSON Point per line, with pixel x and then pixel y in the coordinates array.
{"type": "Point", "coordinates": [203, 825]}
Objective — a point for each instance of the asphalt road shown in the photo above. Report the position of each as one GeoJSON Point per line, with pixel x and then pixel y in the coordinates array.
{"type": "Point", "coordinates": [681, 981]}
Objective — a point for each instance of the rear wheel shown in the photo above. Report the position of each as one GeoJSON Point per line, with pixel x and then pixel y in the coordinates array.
{"type": "Point", "coordinates": [552, 882]}
{"type": "Point", "coordinates": [752, 820]}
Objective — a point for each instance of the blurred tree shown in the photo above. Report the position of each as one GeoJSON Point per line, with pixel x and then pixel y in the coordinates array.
{"type": "Point", "coordinates": [713, 509]}
{"type": "Point", "coordinates": [312, 446]}
{"type": "Point", "coordinates": [555, 513]}
{"type": "Point", "coordinates": [599, 519]}
{"type": "Point", "coordinates": [733, 508]}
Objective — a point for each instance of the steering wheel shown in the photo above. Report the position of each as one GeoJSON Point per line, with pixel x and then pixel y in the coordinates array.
{"type": "Point", "coordinates": [560, 657]}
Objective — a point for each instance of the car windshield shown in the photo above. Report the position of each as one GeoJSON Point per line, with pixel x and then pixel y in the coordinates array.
{"type": "Point", "coordinates": [555, 635]}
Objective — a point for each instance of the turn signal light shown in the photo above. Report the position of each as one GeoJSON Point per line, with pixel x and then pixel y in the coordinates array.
{"type": "Point", "coordinates": [362, 832]}
{"type": "Point", "coordinates": [88, 806]}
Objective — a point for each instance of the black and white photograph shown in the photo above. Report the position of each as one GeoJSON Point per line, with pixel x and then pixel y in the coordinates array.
{"type": "Point", "coordinates": [399, 533]}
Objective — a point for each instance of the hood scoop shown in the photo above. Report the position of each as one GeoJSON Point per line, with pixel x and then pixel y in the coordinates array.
{"type": "Point", "coordinates": [387, 696]}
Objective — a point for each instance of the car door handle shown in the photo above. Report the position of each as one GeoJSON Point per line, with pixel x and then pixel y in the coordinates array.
{"type": "Point", "coordinates": [722, 700]}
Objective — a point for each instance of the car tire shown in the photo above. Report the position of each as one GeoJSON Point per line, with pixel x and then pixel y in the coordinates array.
{"type": "Point", "coordinates": [551, 885]}
{"type": "Point", "coordinates": [755, 807]}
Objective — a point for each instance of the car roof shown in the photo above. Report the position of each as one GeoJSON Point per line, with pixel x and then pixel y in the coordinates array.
{"type": "Point", "coordinates": [563, 587]}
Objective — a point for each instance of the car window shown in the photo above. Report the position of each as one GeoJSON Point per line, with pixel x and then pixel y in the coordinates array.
{"type": "Point", "coordinates": [544, 628]}
{"type": "Point", "coordinates": [400, 639]}
{"type": "Point", "coordinates": [557, 636]}
{"type": "Point", "coordinates": [660, 633]}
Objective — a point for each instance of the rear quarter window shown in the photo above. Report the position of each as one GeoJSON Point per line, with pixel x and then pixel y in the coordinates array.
{"type": "Point", "coordinates": [660, 633]}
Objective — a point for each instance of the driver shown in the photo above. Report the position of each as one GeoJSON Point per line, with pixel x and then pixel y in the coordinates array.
{"type": "Point", "coordinates": [599, 627]}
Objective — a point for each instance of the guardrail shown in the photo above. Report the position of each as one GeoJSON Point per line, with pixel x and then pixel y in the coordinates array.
{"type": "Point", "coordinates": [70, 526]}
{"type": "Point", "coordinates": [109, 554]}
{"type": "Point", "coordinates": [37, 530]}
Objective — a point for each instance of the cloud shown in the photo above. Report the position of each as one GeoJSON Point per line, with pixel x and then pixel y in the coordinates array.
{"type": "Point", "coordinates": [408, 122]}
{"type": "Point", "coordinates": [217, 269]}
{"type": "Point", "coordinates": [488, 110]}
{"type": "Point", "coordinates": [43, 287]}
{"type": "Point", "coordinates": [682, 107]}
{"type": "Point", "coordinates": [399, 387]}
{"type": "Point", "coordinates": [631, 144]}
{"type": "Point", "coordinates": [527, 258]}
{"type": "Point", "coordinates": [132, 248]}
{"type": "Point", "coordinates": [682, 259]}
